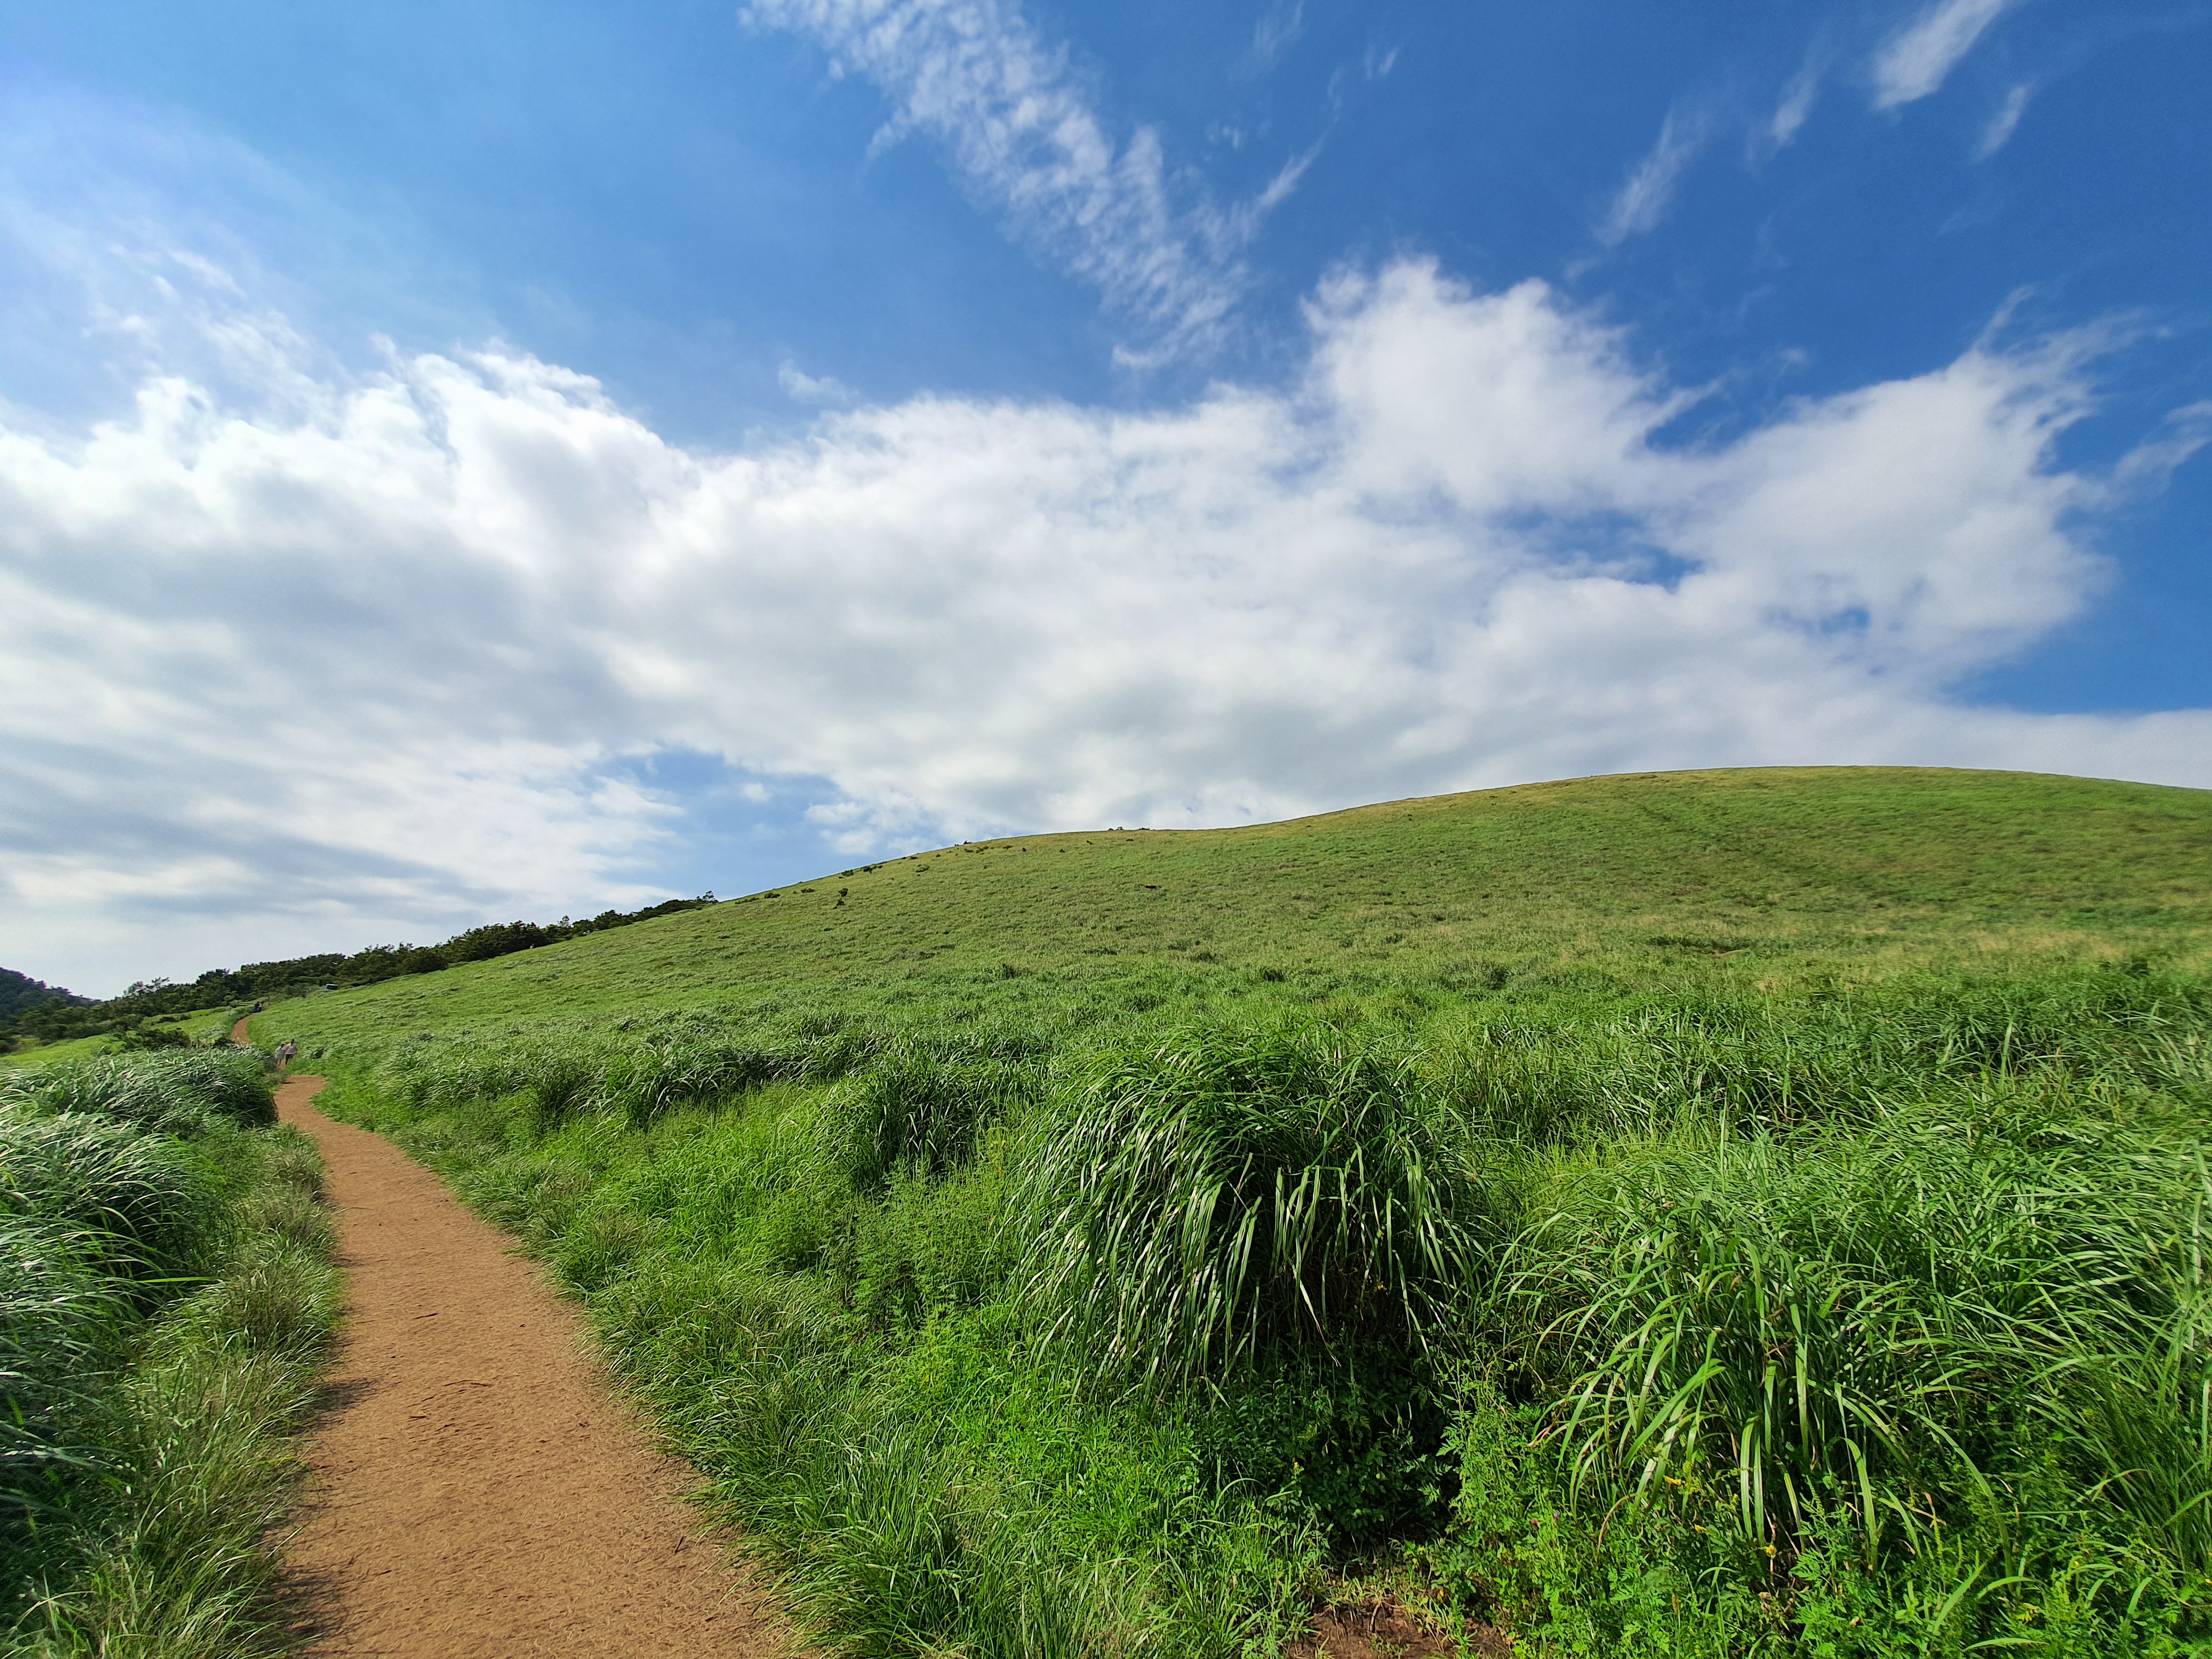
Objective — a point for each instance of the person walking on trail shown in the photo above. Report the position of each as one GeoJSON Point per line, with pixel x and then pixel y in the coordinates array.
{"type": "Point", "coordinates": [285, 1050]}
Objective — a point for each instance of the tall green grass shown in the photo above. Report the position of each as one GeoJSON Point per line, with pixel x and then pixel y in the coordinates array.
{"type": "Point", "coordinates": [178, 1093]}
{"type": "Point", "coordinates": [1857, 1319]}
{"type": "Point", "coordinates": [167, 1288]}
{"type": "Point", "coordinates": [1865, 1321]}
{"type": "Point", "coordinates": [1726, 1213]}
{"type": "Point", "coordinates": [60, 1324]}
{"type": "Point", "coordinates": [1218, 1195]}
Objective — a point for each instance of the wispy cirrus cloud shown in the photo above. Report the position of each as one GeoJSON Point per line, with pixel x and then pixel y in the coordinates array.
{"type": "Point", "coordinates": [1027, 139]}
{"type": "Point", "coordinates": [2151, 463]}
{"type": "Point", "coordinates": [1277, 32]}
{"type": "Point", "coordinates": [1647, 194]}
{"type": "Point", "coordinates": [1917, 59]}
{"type": "Point", "coordinates": [1795, 106]}
{"type": "Point", "coordinates": [2004, 122]}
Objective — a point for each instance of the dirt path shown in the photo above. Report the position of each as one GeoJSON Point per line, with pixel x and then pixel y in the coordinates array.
{"type": "Point", "coordinates": [477, 1492]}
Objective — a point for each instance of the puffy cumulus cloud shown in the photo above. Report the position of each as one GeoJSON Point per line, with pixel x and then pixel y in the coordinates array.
{"type": "Point", "coordinates": [376, 653]}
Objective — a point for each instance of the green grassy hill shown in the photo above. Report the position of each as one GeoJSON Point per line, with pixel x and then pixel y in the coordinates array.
{"type": "Point", "coordinates": [1731, 1214]}
{"type": "Point", "coordinates": [1777, 877]}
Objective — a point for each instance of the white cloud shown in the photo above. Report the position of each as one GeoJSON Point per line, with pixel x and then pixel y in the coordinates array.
{"type": "Point", "coordinates": [2003, 125]}
{"type": "Point", "coordinates": [1277, 32]}
{"type": "Point", "coordinates": [363, 660]}
{"type": "Point", "coordinates": [1372, 65]}
{"type": "Point", "coordinates": [1026, 138]}
{"type": "Point", "coordinates": [2152, 462]}
{"type": "Point", "coordinates": [1917, 60]}
{"type": "Point", "coordinates": [1648, 193]}
{"type": "Point", "coordinates": [1284, 181]}
{"type": "Point", "coordinates": [1795, 107]}
{"type": "Point", "coordinates": [812, 388]}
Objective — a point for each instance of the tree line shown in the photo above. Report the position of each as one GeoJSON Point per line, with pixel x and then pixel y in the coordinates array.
{"type": "Point", "coordinates": [30, 1008]}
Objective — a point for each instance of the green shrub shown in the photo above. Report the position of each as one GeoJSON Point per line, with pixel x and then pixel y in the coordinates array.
{"type": "Point", "coordinates": [1574, 1579]}
{"type": "Point", "coordinates": [282, 1210]}
{"type": "Point", "coordinates": [598, 1247]}
{"type": "Point", "coordinates": [1360, 1445]}
{"type": "Point", "coordinates": [177, 1551]}
{"type": "Point", "coordinates": [1221, 1195]}
{"type": "Point", "coordinates": [911, 1108]}
{"type": "Point", "coordinates": [150, 1038]}
{"type": "Point", "coordinates": [926, 1247]}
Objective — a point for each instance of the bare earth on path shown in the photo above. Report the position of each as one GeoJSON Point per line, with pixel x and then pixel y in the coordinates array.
{"type": "Point", "coordinates": [476, 1491]}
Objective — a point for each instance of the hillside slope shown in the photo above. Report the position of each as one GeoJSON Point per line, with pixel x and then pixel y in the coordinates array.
{"type": "Point", "coordinates": [1757, 1215]}
{"type": "Point", "coordinates": [1780, 875]}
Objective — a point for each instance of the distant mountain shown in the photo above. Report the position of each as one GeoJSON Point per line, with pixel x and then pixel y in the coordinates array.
{"type": "Point", "coordinates": [19, 992]}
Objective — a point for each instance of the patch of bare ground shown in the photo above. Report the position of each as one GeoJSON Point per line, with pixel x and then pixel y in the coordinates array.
{"type": "Point", "coordinates": [476, 1488]}
{"type": "Point", "coordinates": [1383, 1627]}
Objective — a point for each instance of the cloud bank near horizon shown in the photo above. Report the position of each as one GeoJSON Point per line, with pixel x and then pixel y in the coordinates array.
{"type": "Point", "coordinates": [371, 654]}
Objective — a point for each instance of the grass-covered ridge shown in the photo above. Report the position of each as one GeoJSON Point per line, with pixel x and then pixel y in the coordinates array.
{"type": "Point", "coordinates": [1729, 877]}
{"type": "Point", "coordinates": [1729, 1213]}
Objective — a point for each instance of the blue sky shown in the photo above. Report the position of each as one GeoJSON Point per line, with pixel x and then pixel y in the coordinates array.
{"type": "Point", "coordinates": [489, 460]}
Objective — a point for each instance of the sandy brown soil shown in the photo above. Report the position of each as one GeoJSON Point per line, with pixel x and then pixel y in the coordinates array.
{"type": "Point", "coordinates": [1385, 1628]}
{"type": "Point", "coordinates": [477, 1489]}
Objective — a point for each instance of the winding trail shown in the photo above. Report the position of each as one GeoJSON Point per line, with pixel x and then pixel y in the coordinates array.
{"type": "Point", "coordinates": [477, 1492]}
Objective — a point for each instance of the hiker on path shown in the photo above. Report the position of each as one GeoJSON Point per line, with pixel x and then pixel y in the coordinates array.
{"type": "Point", "coordinates": [285, 1050]}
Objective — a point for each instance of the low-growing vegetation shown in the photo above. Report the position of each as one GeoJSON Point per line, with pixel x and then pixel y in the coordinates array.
{"type": "Point", "coordinates": [1820, 1275]}
{"type": "Point", "coordinates": [167, 1293]}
